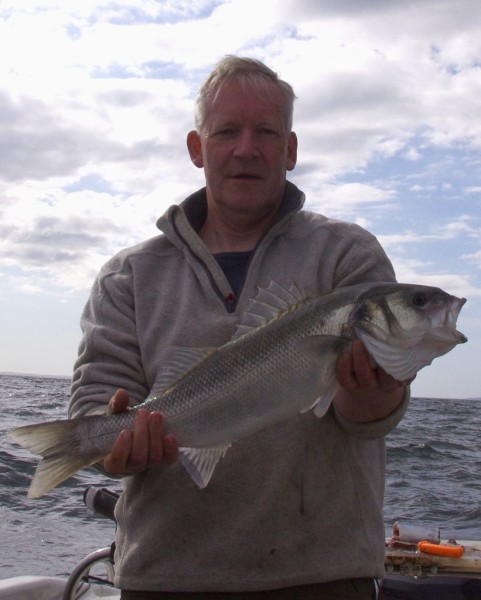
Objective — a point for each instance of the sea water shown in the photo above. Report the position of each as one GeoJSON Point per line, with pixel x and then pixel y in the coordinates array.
{"type": "Point", "coordinates": [433, 479]}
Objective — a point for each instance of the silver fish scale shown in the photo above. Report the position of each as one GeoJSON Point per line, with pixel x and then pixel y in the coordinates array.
{"type": "Point", "coordinates": [240, 386]}
{"type": "Point", "coordinates": [97, 434]}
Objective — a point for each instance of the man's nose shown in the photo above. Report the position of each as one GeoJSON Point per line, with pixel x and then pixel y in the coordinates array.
{"type": "Point", "coordinates": [246, 146]}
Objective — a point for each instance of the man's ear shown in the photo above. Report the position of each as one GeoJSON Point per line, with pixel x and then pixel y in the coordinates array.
{"type": "Point", "coordinates": [291, 158]}
{"type": "Point", "coordinates": [194, 147]}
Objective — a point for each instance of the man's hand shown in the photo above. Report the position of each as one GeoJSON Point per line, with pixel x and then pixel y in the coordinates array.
{"type": "Point", "coordinates": [145, 445]}
{"type": "Point", "coordinates": [367, 392]}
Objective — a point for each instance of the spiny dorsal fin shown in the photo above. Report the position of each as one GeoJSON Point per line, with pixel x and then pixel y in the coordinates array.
{"type": "Point", "coordinates": [269, 304]}
{"type": "Point", "coordinates": [181, 360]}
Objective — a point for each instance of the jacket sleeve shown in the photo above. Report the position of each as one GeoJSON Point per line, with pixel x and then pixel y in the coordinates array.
{"type": "Point", "coordinates": [374, 429]}
{"type": "Point", "coordinates": [109, 355]}
{"type": "Point", "coordinates": [362, 259]}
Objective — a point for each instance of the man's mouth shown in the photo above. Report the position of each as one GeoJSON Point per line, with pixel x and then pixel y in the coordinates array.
{"type": "Point", "coordinates": [246, 176]}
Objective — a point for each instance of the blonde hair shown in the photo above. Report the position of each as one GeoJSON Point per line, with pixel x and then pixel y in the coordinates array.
{"type": "Point", "coordinates": [246, 71]}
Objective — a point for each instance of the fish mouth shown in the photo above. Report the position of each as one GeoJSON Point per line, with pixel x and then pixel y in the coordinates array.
{"type": "Point", "coordinates": [453, 314]}
{"type": "Point", "coordinates": [445, 322]}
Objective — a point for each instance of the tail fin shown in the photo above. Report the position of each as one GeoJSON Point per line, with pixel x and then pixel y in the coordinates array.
{"type": "Point", "coordinates": [60, 447]}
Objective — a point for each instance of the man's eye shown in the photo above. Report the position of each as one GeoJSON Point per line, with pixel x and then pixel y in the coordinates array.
{"type": "Point", "coordinates": [268, 131]}
{"type": "Point", "coordinates": [228, 131]}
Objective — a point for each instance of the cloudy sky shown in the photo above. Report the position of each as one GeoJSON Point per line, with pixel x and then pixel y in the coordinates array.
{"type": "Point", "coordinates": [96, 98]}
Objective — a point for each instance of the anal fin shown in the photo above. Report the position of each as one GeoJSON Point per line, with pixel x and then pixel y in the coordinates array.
{"type": "Point", "coordinates": [201, 462]}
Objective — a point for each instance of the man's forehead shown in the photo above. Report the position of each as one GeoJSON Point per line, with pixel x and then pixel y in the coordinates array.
{"type": "Point", "coordinates": [234, 99]}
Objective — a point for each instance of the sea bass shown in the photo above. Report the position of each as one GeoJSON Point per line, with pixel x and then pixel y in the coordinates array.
{"type": "Point", "coordinates": [281, 361]}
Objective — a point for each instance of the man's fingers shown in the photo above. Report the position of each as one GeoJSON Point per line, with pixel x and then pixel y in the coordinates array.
{"type": "Point", "coordinates": [119, 402]}
{"type": "Point", "coordinates": [139, 455]}
{"type": "Point", "coordinates": [115, 462]}
{"type": "Point", "coordinates": [364, 373]}
{"type": "Point", "coordinates": [135, 450]}
{"type": "Point", "coordinates": [354, 369]}
{"type": "Point", "coordinates": [171, 449]}
{"type": "Point", "coordinates": [156, 450]}
{"type": "Point", "coordinates": [345, 372]}
{"type": "Point", "coordinates": [163, 447]}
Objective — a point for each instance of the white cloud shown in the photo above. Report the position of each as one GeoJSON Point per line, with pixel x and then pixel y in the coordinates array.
{"type": "Point", "coordinates": [412, 154]}
{"type": "Point", "coordinates": [459, 229]}
{"type": "Point", "coordinates": [345, 199]}
{"type": "Point", "coordinates": [409, 270]}
{"type": "Point", "coordinates": [474, 189]}
{"type": "Point", "coordinates": [96, 98]}
{"type": "Point", "coordinates": [474, 258]}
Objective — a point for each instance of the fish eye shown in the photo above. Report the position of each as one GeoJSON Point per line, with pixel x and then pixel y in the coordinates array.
{"type": "Point", "coordinates": [361, 312]}
{"type": "Point", "coordinates": [419, 299]}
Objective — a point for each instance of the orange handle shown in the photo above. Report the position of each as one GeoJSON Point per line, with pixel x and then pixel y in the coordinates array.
{"type": "Point", "coordinates": [440, 550]}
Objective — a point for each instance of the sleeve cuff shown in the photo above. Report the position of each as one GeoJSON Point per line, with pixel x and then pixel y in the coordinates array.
{"type": "Point", "coordinates": [375, 429]}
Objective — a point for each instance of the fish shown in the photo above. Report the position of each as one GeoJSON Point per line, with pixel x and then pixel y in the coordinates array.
{"type": "Point", "coordinates": [281, 361]}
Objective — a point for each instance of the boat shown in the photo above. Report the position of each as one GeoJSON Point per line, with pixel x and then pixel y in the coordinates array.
{"type": "Point", "coordinates": [419, 566]}
{"type": "Point", "coordinates": [83, 583]}
{"type": "Point", "coordinates": [91, 579]}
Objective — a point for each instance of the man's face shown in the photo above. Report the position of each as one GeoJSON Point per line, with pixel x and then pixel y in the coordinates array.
{"type": "Point", "coordinates": [245, 150]}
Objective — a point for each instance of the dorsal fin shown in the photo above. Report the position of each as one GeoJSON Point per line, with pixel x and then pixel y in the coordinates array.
{"type": "Point", "coordinates": [181, 360]}
{"type": "Point", "coordinates": [268, 304]}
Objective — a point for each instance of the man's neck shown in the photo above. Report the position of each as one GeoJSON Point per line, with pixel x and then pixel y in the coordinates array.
{"type": "Point", "coordinates": [234, 236]}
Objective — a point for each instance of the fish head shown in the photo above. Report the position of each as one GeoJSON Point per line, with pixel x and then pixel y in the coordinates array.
{"type": "Point", "coordinates": [405, 327]}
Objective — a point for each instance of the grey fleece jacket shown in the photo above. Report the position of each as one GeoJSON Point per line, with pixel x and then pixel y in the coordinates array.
{"type": "Point", "coordinates": [298, 503]}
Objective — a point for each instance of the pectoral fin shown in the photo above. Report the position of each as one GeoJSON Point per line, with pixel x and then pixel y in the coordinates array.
{"type": "Point", "coordinates": [201, 462]}
{"type": "Point", "coordinates": [324, 402]}
{"type": "Point", "coordinates": [325, 350]}
{"type": "Point", "coordinates": [181, 360]}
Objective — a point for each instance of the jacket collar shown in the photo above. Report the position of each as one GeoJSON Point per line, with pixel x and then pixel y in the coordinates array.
{"type": "Point", "coordinates": [191, 214]}
{"type": "Point", "coordinates": [195, 205]}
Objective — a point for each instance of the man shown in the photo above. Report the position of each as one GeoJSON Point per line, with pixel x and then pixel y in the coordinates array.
{"type": "Point", "coordinates": [296, 510]}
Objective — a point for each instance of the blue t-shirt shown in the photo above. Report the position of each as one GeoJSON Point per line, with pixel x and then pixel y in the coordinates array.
{"type": "Point", "coordinates": [234, 265]}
